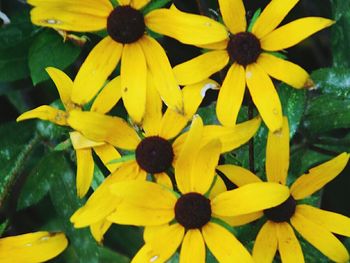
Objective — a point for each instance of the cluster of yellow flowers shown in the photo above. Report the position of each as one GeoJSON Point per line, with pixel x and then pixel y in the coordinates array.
{"type": "Point", "coordinates": [168, 181]}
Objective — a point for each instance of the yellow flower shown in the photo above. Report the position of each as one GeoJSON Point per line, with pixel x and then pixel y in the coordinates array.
{"type": "Point", "coordinates": [83, 146]}
{"type": "Point", "coordinates": [141, 56]}
{"type": "Point", "coordinates": [155, 151]}
{"type": "Point", "coordinates": [190, 217]}
{"type": "Point", "coordinates": [32, 247]}
{"type": "Point", "coordinates": [313, 224]}
{"type": "Point", "coordinates": [250, 54]}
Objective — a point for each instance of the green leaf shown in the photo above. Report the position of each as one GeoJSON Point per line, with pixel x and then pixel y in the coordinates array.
{"type": "Point", "coordinates": [208, 114]}
{"type": "Point", "coordinates": [107, 255]}
{"type": "Point", "coordinates": [155, 4]}
{"type": "Point", "coordinates": [49, 50]}
{"type": "Point", "coordinates": [340, 33]}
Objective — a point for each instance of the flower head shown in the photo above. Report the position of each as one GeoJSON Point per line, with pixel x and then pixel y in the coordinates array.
{"type": "Point", "coordinates": [250, 52]}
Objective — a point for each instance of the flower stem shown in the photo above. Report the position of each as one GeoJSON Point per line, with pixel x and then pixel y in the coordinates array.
{"type": "Point", "coordinates": [251, 141]}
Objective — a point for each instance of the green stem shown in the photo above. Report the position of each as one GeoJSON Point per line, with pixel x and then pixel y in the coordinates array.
{"type": "Point", "coordinates": [251, 142]}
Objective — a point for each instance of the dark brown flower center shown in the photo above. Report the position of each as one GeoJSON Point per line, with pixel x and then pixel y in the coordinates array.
{"type": "Point", "coordinates": [244, 48]}
{"type": "Point", "coordinates": [125, 24]}
{"type": "Point", "coordinates": [154, 154]}
{"type": "Point", "coordinates": [192, 210]}
{"type": "Point", "coordinates": [282, 212]}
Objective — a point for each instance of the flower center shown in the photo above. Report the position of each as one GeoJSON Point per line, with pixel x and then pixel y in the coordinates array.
{"type": "Point", "coordinates": [243, 48]}
{"type": "Point", "coordinates": [282, 212]}
{"type": "Point", "coordinates": [125, 24]}
{"type": "Point", "coordinates": [192, 210]}
{"type": "Point", "coordinates": [154, 154]}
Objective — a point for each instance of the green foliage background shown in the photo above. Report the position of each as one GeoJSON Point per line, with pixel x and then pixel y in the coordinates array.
{"type": "Point", "coordinates": [37, 166]}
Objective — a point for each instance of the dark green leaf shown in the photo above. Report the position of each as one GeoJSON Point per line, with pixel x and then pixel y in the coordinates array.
{"type": "Point", "coordinates": [208, 114]}
{"type": "Point", "coordinates": [155, 4]}
{"type": "Point", "coordinates": [107, 255]}
{"type": "Point", "coordinates": [49, 50]}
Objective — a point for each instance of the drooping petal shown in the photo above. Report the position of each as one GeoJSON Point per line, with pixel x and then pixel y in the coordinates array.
{"type": "Point", "coordinates": [318, 176]}
{"type": "Point", "coordinates": [63, 84]}
{"type": "Point", "coordinates": [333, 222]}
{"type": "Point", "coordinates": [265, 245]}
{"type": "Point", "coordinates": [203, 167]}
{"type": "Point", "coordinates": [201, 67]}
{"type": "Point", "coordinates": [320, 238]}
{"type": "Point", "coordinates": [193, 247]}
{"type": "Point", "coordinates": [85, 170]}
{"type": "Point", "coordinates": [32, 247]}
{"type": "Point", "coordinates": [272, 16]}
{"type": "Point", "coordinates": [108, 97]}
{"type": "Point", "coordinates": [231, 95]}
{"type": "Point", "coordinates": [108, 153]}
{"type": "Point", "coordinates": [161, 243]}
{"type": "Point", "coordinates": [264, 96]}
{"type": "Point", "coordinates": [163, 179]}
{"type": "Point", "coordinates": [138, 4]}
{"type": "Point", "coordinates": [46, 113]}
{"type": "Point", "coordinates": [224, 245]}
{"type": "Point", "coordinates": [95, 70]}
{"type": "Point", "coordinates": [134, 81]}
{"type": "Point", "coordinates": [79, 141]}
{"type": "Point", "coordinates": [243, 219]}
{"type": "Point", "coordinates": [294, 32]}
{"type": "Point", "coordinates": [283, 70]}
{"type": "Point", "coordinates": [288, 244]}
{"type": "Point", "coordinates": [99, 127]}
{"type": "Point", "coordinates": [187, 28]}
{"type": "Point", "coordinates": [277, 154]}
{"type": "Point", "coordinates": [233, 14]}
{"type": "Point", "coordinates": [188, 150]}
{"type": "Point", "coordinates": [99, 229]}
{"type": "Point", "coordinates": [238, 175]}
{"type": "Point", "coordinates": [249, 198]}
{"type": "Point", "coordinates": [162, 74]}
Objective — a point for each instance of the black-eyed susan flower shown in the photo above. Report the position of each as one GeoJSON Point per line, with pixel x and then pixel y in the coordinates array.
{"type": "Point", "coordinates": [32, 247]}
{"type": "Point", "coordinates": [250, 52]}
{"type": "Point", "coordinates": [154, 152]}
{"type": "Point", "coordinates": [191, 216]}
{"type": "Point", "coordinates": [313, 224]}
{"type": "Point", "coordinates": [83, 146]}
{"type": "Point", "coordinates": [141, 56]}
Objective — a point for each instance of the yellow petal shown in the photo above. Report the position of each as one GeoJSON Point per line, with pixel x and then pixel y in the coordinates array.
{"type": "Point", "coordinates": [46, 113]}
{"type": "Point", "coordinates": [233, 13]}
{"type": "Point", "coordinates": [163, 179]}
{"type": "Point", "coordinates": [201, 67]}
{"type": "Point", "coordinates": [243, 219]}
{"type": "Point", "coordinates": [153, 115]}
{"type": "Point", "coordinates": [288, 244]}
{"type": "Point", "coordinates": [320, 238]}
{"type": "Point", "coordinates": [249, 198]}
{"type": "Point", "coordinates": [32, 247]}
{"type": "Point", "coordinates": [124, 2]}
{"type": "Point", "coordinates": [99, 127]}
{"type": "Point", "coordinates": [293, 33]}
{"type": "Point", "coordinates": [172, 124]}
{"type": "Point", "coordinates": [79, 141]}
{"type": "Point", "coordinates": [108, 153]}
{"type": "Point", "coordinates": [70, 18]}
{"type": "Point", "coordinates": [264, 96]}
{"type": "Point", "coordinates": [224, 246]}
{"type": "Point", "coordinates": [203, 167]}
{"type": "Point", "coordinates": [134, 81]}
{"type": "Point", "coordinates": [231, 95]}
{"type": "Point", "coordinates": [138, 4]}
{"type": "Point", "coordinates": [95, 70]}
{"type": "Point", "coordinates": [99, 229]}
{"type": "Point", "coordinates": [331, 221]}
{"type": "Point", "coordinates": [161, 244]}
{"type": "Point", "coordinates": [318, 177]}
{"type": "Point", "coordinates": [272, 16]}
{"type": "Point", "coordinates": [189, 149]}
{"type": "Point", "coordinates": [238, 175]}
{"type": "Point", "coordinates": [63, 84]}
{"type": "Point", "coordinates": [193, 248]}
{"type": "Point", "coordinates": [283, 70]}
{"type": "Point", "coordinates": [108, 97]}
{"type": "Point", "coordinates": [218, 188]}
{"type": "Point", "coordinates": [187, 28]}
{"type": "Point", "coordinates": [277, 154]}
{"type": "Point", "coordinates": [265, 245]}
{"type": "Point", "coordinates": [85, 170]}
{"type": "Point", "coordinates": [217, 46]}
{"type": "Point", "coordinates": [162, 75]}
